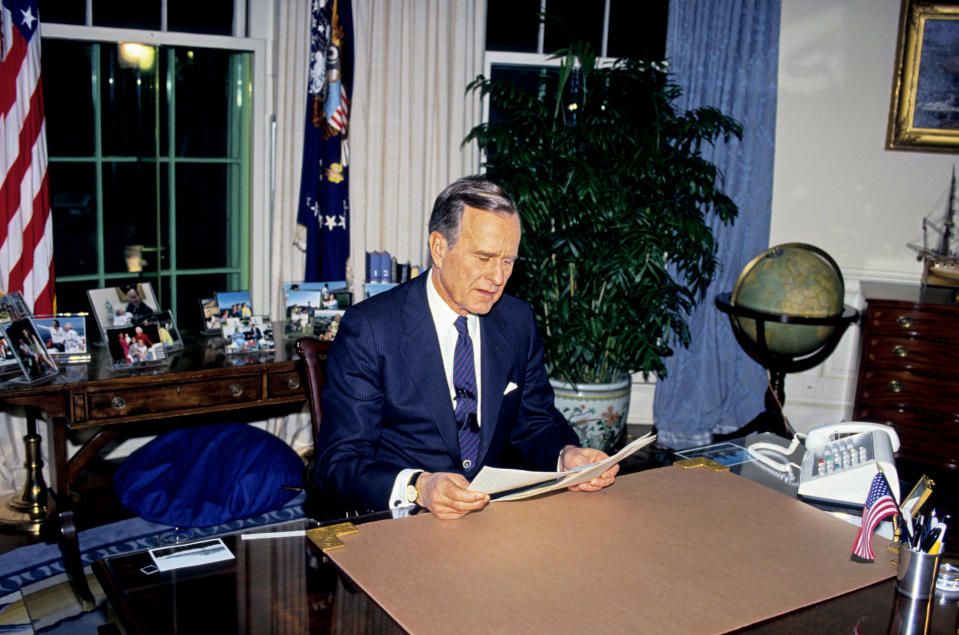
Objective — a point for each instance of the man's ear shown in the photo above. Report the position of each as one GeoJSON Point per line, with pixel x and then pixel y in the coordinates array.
{"type": "Point", "coordinates": [438, 248]}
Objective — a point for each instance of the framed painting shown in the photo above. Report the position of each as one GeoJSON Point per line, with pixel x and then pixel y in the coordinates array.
{"type": "Point", "coordinates": [924, 109]}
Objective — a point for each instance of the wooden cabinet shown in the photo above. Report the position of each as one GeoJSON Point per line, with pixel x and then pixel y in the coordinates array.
{"type": "Point", "coordinates": [909, 369]}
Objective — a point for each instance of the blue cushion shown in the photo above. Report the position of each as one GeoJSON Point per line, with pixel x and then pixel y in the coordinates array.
{"type": "Point", "coordinates": [198, 477]}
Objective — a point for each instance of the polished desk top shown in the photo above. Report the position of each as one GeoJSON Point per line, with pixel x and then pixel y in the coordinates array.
{"type": "Point", "coordinates": [286, 585]}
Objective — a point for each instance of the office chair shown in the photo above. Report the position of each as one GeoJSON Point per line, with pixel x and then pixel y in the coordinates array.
{"type": "Point", "coordinates": [313, 353]}
{"type": "Point", "coordinates": [318, 505]}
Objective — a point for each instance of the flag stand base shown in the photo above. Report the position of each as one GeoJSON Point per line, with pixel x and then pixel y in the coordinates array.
{"type": "Point", "coordinates": [28, 510]}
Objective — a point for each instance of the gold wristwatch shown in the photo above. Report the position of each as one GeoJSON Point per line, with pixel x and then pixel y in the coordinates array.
{"type": "Point", "coordinates": [411, 492]}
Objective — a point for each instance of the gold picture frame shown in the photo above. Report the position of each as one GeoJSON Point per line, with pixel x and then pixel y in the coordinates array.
{"type": "Point", "coordinates": [924, 109]}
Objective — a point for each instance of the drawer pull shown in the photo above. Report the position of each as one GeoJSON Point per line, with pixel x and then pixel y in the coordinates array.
{"type": "Point", "coordinates": [293, 383]}
{"type": "Point", "coordinates": [900, 350]}
{"type": "Point", "coordinates": [904, 321]}
{"type": "Point", "coordinates": [894, 386]}
{"type": "Point", "coordinates": [118, 403]}
{"type": "Point", "coordinates": [236, 390]}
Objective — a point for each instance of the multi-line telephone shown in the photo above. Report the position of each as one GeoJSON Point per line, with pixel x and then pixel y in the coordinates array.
{"type": "Point", "coordinates": [841, 461]}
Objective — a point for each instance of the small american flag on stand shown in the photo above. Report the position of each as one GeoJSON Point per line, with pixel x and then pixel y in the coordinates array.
{"type": "Point", "coordinates": [879, 504]}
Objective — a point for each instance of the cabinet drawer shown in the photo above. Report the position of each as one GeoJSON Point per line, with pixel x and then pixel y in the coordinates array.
{"type": "Point", "coordinates": [925, 438]}
{"type": "Point", "coordinates": [285, 384]}
{"type": "Point", "coordinates": [917, 355]}
{"type": "Point", "coordinates": [173, 396]}
{"type": "Point", "coordinates": [911, 322]}
{"type": "Point", "coordinates": [887, 389]}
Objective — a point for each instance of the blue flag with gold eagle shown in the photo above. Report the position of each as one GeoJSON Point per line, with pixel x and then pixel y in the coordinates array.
{"type": "Point", "coordinates": [324, 210]}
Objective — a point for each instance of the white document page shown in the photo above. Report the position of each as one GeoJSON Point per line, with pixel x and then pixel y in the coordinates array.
{"type": "Point", "coordinates": [491, 480]}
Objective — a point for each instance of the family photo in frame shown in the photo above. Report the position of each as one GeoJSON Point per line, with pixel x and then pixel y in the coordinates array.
{"type": "Point", "coordinates": [34, 359]}
{"type": "Point", "coordinates": [63, 335]}
{"type": "Point", "coordinates": [252, 335]}
{"type": "Point", "coordinates": [133, 346]}
{"type": "Point", "coordinates": [115, 307]}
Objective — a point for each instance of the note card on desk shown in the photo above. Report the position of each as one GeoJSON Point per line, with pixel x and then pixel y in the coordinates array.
{"type": "Point", "coordinates": [190, 554]}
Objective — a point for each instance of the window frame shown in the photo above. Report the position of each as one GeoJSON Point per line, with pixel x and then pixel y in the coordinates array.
{"type": "Point", "coordinates": [261, 146]}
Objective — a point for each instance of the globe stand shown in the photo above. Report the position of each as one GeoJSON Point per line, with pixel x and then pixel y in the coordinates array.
{"type": "Point", "coordinates": [771, 419]}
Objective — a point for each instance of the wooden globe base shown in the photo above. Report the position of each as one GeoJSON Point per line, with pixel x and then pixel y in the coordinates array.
{"type": "Point", "coordinates": [771, 419]}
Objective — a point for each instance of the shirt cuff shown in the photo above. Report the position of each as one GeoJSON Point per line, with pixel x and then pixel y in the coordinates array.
{"type": "Point", "coordinates": [398, 495]}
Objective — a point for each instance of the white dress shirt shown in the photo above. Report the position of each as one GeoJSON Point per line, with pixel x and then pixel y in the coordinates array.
{"type": "Point", "coordinates": [444, 319]}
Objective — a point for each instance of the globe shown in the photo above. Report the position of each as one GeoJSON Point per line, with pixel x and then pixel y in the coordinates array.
{"type": "Point", "coordinates": [796, 280]}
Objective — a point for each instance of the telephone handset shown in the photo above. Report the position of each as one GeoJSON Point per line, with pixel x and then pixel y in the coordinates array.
{"type": "Point", "coordinates": [841, 460]}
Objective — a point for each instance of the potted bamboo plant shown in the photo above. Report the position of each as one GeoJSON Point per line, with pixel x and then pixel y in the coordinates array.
{"type": "Point", "coordinates": [614, 196]}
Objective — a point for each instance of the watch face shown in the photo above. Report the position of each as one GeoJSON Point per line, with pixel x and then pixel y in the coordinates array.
{"type": "Point", "coordinates": [411, 493]}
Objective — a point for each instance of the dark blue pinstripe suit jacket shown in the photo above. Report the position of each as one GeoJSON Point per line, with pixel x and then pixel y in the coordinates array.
{"type": "Point", "coordinates": [386, 403]}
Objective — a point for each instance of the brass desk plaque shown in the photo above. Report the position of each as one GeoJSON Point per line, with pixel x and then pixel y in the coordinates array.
{"type": "Point", "coordinates": [328, 537]}
{"type": "Point", "coordinates": [701, 461]}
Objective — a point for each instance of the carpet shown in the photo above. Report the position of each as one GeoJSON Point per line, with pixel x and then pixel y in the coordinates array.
{"type": "Point", "coordinates": [35, 594]}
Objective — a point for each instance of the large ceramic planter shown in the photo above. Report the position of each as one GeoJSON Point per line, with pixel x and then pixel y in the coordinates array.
{"type": "Point", "coordinates": [597, 412]}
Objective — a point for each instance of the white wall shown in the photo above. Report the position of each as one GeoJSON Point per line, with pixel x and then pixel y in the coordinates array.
{"type": "Point", "coordinates": [835, 185]}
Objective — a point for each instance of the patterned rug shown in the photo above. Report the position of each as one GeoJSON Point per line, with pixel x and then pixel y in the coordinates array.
{"type": "Point", "coordinates": [35, 594]}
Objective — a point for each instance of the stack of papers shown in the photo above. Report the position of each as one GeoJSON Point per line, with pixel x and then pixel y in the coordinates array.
{"type": "Point", "coordinates": [517, 484]}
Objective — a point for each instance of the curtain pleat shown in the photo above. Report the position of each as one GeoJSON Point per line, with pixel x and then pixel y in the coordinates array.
{"type": "Point", "coordinates": [414, 59]}
{"type": "Point", "coordinates": [724, 53]}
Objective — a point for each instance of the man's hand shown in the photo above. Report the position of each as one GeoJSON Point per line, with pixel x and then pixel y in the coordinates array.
{"type": "Point", "coordinates": [447, 495]}
{"type": "Point", "coordinates": [573, 457]}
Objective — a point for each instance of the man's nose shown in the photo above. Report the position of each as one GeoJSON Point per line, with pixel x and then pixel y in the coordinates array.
{"type": "Point", "coordinates": [497, 274]}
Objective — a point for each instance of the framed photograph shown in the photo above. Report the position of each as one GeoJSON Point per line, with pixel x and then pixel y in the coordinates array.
{"type": "Point", "coordinates": [166, 328]}
{"type": "Point", "coordinates": [8, 361]}
{"type": "Point", "coordinates": [234, 304]}
{"type": "Point", "coordinates": [326, 323]}
{"type": "Point", "coordinates": [248, 336]}
{"type": "Point", "coordinates": [64, 336]}
{"type": "Point", "coordinates": [34, 359]}
{"type": "Point", "coordinates": [115, 307]}
{"type": "Point", "coordinates": [924, 109]}
{"type": "Point", "coordinates": [334, 294]}
{"type": "Point", "coordinates": [300, 305]}
{"type": "Point", "coordinates": [12, 307]}
{"type": "Point", "coordinates": [212, 323]}
{"type": "Point", "coordinates": [135, 346]}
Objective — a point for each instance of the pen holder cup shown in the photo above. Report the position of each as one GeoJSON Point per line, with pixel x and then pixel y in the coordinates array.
{"type": "Point", "coordinates": [916, 573]}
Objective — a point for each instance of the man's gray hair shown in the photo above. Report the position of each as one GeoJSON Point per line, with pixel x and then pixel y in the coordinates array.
{"type": "Point", "coordinates": [474, 191]}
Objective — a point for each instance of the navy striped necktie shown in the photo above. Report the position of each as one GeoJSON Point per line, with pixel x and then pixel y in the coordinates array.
{"type": "Point", "coordinates": [464, 383]}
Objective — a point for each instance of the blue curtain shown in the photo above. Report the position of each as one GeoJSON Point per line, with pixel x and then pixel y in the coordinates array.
{"type": "Point", "coordinates": [723, 53]}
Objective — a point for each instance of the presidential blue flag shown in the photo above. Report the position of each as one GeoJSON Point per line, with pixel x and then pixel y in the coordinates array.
{"type": "Point", "coordinates": [324, 209]}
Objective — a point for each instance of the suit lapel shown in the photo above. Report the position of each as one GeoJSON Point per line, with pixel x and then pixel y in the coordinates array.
{"type": "Point", "coordinates": [421, 351]}
{"type": "Point", "coordinates": [495, 367]}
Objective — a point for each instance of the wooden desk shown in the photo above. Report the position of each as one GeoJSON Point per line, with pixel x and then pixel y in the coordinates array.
{"type": "Point", "coordinates": [201, 379]}
{"type": "Point", "coordinates": [284, 585]}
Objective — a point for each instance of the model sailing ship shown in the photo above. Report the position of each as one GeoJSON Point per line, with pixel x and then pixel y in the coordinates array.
{"type": "Point", "coordinates": [940, 263]}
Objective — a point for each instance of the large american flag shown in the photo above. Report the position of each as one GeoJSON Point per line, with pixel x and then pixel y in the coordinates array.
{"type": "Point", "coordinates": [879, 504]}
{"type": "Point", "coordinates": [26, 225]}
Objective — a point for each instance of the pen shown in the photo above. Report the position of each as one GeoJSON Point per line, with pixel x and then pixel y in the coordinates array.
{"type": "Point", "coordinates": [930, 539]}
{"type": "Point", "coordinates": [942, 538]}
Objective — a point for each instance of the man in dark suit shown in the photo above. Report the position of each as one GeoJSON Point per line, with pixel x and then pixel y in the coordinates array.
{"type": "Point", "coordinates": [418, 398]}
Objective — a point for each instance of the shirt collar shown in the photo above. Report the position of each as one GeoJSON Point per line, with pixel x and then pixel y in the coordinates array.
{"type": "Point", "coordinates": [443, 315]}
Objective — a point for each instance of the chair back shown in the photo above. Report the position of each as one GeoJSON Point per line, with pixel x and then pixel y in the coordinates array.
{"type": "Point", "coordinates": [313, 353]}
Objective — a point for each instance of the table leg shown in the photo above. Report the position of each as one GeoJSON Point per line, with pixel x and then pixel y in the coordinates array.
{"type": "Point", "coordinates": [67, 535]}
